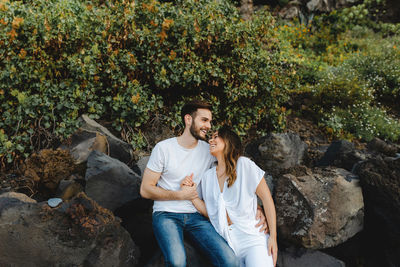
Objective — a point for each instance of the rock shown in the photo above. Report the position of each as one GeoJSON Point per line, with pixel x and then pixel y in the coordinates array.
{"type": "Point", "coordinates": [380, 181]}
{"type": "Point", "coordinates": [90, 136]}
{"type": "Point", "coordinates": [246, 9]}
{"type": "Point", "coordinates": [17, 196]}
{"type": "Point", "coordinates": [291, 10]}
{"type": "Point", "coordinates": [392, 11]}
{"type": "Point", "coordinates": [292, 257]}
{"type": "Point", "coordinates": [193, 258]}
{"type": "Point", "coordinates": [328, 5]}
{"type": "Point", "coordinates": [47, 168]}
{"type": "Point", "coordinates": [319, 208]}
{"type": "Point", "coordinates": [77, 233]}
{"type": "Point", "coordinates": [142, 163]}
{"type": "Point", "coordinates": [381, 146]}
{"type": "Point", "coordinates": [341, 154]}
{"type": "Point", "coordinates": [137, 220]}
{"type": "Point", "coordinates": [277, 152]}
{"type": "Point", "coordinates": [110, 182]}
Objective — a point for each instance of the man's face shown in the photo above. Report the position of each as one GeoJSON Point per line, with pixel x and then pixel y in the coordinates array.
{"type": "Point", "coordinates": [201, 124]}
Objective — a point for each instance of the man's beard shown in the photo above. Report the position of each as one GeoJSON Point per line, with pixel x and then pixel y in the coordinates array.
{"type": "Point", "coordinates": [196, 134]}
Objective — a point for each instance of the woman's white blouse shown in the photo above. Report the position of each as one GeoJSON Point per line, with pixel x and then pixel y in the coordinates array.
{"type": "Point", "coordinates": [239, 200]}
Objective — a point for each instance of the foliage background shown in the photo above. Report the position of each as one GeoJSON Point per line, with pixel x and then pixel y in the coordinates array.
{"type": "Point", "coordinates": [125, 62]}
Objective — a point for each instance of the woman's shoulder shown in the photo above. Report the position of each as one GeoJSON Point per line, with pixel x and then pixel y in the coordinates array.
{"type": "Point", "coordinates": [244, 161]}
{"type": "Point", "coordinates": [208, 173]}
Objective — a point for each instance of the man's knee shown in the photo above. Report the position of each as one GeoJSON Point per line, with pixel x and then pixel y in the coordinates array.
{"type": "Point", "coordinates": [177, 260]}
{"type": "Point", "coordinates": [230, 260]}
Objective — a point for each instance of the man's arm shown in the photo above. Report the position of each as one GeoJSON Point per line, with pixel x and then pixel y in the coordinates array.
{"type": "Point", "coordinates": [150, 190]}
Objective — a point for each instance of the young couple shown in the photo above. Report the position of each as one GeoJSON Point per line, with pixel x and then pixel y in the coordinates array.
{"type": "Point", "coordinates": [187, 188]}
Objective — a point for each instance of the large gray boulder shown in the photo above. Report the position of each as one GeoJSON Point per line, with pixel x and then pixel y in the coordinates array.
{"type": "Point", "coordinates": [292, 257]}
{"type": "Point", "coordinates": [380, 181]}
{"type": "Point", "coordinates": [342, 154]}
{"type": "Point", "coordinates": [110, 182]}
{"type": "Point", "coordinates": [277, 152]}
{"type": "Point", "coordinates": [320, 208]}
{"type": "Point", "coordinates": [77, 233]}
{"type": "Point", "coordinates": [93, 136]}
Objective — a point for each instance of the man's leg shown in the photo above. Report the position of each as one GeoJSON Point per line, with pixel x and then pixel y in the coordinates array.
{"type": "Point", "coordinates": [168, 229]}
{"type": "Point", "coordinates": [201, 231]}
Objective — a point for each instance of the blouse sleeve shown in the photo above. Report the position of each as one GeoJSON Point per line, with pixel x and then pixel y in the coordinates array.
{"type": "Point", "coordinates": [252, 174]}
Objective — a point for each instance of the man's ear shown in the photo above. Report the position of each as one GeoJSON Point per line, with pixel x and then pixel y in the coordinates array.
{"type": "Point", "coordinates": [188, 120]}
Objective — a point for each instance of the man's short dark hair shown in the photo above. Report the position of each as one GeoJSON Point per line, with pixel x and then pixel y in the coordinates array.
{"type": "Point", "coordinates": [191, 108]}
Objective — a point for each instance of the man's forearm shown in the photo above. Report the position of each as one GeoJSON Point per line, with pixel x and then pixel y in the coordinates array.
{"type": "Point", "coordinates": [158, 193]}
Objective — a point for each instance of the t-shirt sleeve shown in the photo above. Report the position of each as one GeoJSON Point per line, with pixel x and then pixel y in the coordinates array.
{"type": "Point", "coordinates": [253, 175]}
{"type": "Point", "coordinates": [156, 162]}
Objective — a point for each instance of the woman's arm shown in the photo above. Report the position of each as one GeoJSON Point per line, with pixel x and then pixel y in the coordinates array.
{"type": "Point", "coordinates": [200, 206]}
{"type": "Point", "coordinates": [197, 202]}
{"type": "Point", "coordinates": [269, 208]}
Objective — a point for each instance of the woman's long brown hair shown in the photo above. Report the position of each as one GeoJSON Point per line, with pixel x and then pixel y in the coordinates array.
{"type": "Point", "coordinates": [232, 152]}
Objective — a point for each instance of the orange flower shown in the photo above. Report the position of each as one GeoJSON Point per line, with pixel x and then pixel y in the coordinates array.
{"type": "Point", "coordinates": [132, 58]}
{"type": "Point", "coordinates": [162, 36]}
{"type": "Point", "coordinates": [2, 21]}
{"type": "Point", "coordinates": [196, 26]}
{"type": "Point", "coordinates": [12, 34]}
{"type": "Point", "coordinates": [135, 98]}
{"type": "Point", "coordinates": [17, 22]}
{"type": "Point", "coordinates": [172, 55]}
{"type": "Point", "coordinates": [167, 23]}
{"type": "Point", "coordinates": [22, 54]}
{"type": "Point", "coordinates": [152, 23]}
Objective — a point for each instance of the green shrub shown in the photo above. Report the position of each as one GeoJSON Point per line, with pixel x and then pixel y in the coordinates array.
{"type": "Point", "coordinates": [364, 122]}
{"type": "Point", "coordinates": [340, 87]}
{"type": "Point", "coordinates": [381, 71]}
{"type": "Point", "coordinates": [126, 61]}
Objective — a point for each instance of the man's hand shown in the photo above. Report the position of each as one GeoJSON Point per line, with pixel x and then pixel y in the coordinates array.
{"type": "Point", "coordinates": [262, 222]}
{"type": "Point", "coordinates": [188, 192]}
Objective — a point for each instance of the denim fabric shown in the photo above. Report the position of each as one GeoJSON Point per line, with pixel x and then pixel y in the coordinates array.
{"type": "Point", "coordinates": [169, 229]}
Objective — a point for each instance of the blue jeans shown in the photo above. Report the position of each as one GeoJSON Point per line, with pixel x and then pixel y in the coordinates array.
{"type": "Point", "coordinates": [169, 227]}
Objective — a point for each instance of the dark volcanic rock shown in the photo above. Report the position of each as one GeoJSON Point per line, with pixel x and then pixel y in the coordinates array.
{"type": "Point", "coordinates": [277, 152]}
{"type": "Point", "coordinates": [318, 209]}
{"type": "Point", "coordinates": [381, 146]}
{"type": "Point", "coordinates": [292, 257]}
{"type": "Point", "coordinates": [77, 233]}
{"type": "Point", "coordinates": [341, 154]}
{"type": "Point", "coordinates": [83, 141]}
{"type": "Point", "coordinates": [110, 182]}
{"type": "Point", "coordinates": [380, 181]}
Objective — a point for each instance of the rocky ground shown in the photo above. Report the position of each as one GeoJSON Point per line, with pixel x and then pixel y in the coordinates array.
{"type": "Point", "coordinates": [330, 196]}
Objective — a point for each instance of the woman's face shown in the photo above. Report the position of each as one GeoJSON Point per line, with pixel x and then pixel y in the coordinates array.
{"type": "Point", "coordinates": [217, 144]}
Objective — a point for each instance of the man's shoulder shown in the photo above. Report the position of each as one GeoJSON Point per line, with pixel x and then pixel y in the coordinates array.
{"type": "Point", "coordinates": [204, 145]}
{"type": "Point", "coordinates": [166, 142]}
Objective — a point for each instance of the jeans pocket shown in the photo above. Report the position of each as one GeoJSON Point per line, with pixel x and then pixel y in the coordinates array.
{"type": "Point", "coordinates": [158, 213]}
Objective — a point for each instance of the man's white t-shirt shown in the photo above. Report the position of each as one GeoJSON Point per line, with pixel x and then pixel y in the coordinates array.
{"type": "Point", "coordinates": [238, 200]}
{"type": "Point", "coordinates": [176, 162]}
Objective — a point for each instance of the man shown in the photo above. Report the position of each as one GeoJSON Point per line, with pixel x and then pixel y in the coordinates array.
{"type": "Point", "coordinates": [173, 212]}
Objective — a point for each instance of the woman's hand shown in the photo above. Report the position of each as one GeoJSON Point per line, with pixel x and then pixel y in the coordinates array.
{"type": "Point", "coordinates": [260, 217]}
{"type": "Point", "coordinates": [187, 181]}
{"type": "Point", "coordinates": [273, 248]}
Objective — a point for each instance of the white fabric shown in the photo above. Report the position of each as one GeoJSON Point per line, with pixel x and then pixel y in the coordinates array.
{"type": "Point", "coordinates": [239, 201]}
{"type": "Point", "coordinates": [250, 252]}
{"type": "Point", "coordinates": [174, 162]}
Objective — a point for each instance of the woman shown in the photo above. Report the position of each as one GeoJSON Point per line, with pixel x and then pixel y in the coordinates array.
{"type": "Point", "coordinates": [230, 193]}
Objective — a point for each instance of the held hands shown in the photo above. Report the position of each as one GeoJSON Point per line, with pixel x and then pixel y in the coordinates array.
{"type": "Point", "coordinates": [188, 188]}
